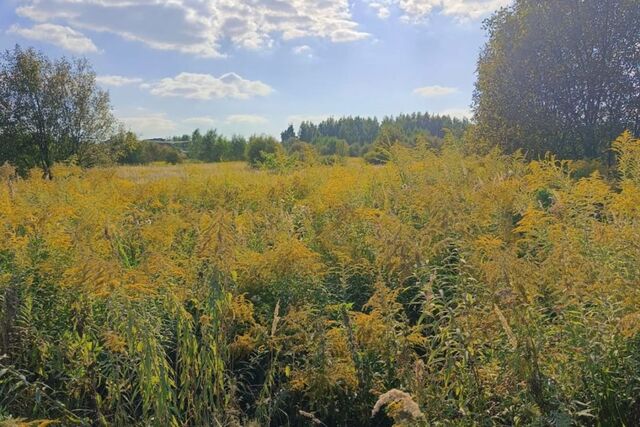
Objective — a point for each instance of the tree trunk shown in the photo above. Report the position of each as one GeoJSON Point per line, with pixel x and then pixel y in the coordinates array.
{"type": "Point", "coordinates": [45, 158]}
{"type": "Point", "coordinates": [47, 174]}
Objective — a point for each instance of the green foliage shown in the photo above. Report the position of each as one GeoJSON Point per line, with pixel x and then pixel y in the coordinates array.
{"type": "Point", "coordinates": [213, 147]}
{"type": "Point", "coordinates": [389, 135]}
{"type": "Point", "coordinates": [18, 150]}
{"type": "Point", "coordinates": [209, 147]}
{"type": "Point", "coordinates": [51, 111]}
{"type": "Point", "coordinates": [559, 76]}
{"type": "Point", "coordinates": [330, 146]}
{"type": "Point", "coordinates": [259, 147]}
{"type": "Point", "coordinates": [238, 145]}
{"type": "Point", "coordinates": [131, 151]}
{"type": "Point", "coordinates": [361, 133]}
{"type": "Point", "coordinates": [288, 135]}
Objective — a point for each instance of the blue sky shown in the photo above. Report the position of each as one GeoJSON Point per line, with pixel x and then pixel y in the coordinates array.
{"type": "Point", "coordinates": [253, 66]}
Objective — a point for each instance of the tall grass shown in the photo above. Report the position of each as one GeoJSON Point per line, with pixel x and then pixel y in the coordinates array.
{"type": "Point", "coordinates": [439, 289]}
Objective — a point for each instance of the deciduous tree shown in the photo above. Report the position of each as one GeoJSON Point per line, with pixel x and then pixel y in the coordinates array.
{"type": "Point", "coordinates": [560, 76]}
{"type": "Point", "coordinates": [50, 110]}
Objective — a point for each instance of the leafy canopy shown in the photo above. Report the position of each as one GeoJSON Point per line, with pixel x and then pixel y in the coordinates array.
{"type": "Point", "coordinates": [560, 76]}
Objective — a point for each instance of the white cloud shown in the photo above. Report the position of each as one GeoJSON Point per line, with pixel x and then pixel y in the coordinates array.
{"type": "Point", "coordinates": [343, 35]}
{"type": "Point", "coordinates": [58, 35]}
{"type": "Point", "coordinates": [200, 27]}
{"type": "Point", "coordinates": [203, 121]}
{"type": "Point", "coordinates": [472, 9]}
{"type": "Point", "coordinates": [433, 91]}
{"type": "Point", "coordinates": [418, 10]}
{"type": "Point", "coordinates": [117, 80]}
{"type": "Point", "coordinates": [246, 119]}
{"type": "Point", "coordinates": [382, 9]}
{"type": "Point", "coordinates": [150, 124]}
{"type": "Point", "coordinates": [206, 86]}
{"type": "Point", "coordinates": [303, 50]}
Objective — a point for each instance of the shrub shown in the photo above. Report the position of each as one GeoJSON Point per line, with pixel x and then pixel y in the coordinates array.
{"type": "Point", "coordinates": [258, 146]}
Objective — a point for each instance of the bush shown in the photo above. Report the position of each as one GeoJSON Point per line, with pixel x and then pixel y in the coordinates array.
{"type": "Point", "coordinates": [258, 146]}
{"type": "Point", "coordinates": [172, 157]}
{"type": "Point", "coordinates": [304, 153]}
{"type": "Point", "coordinates": [144, 152]}
{"type": "Point", "coordinates": [329, 146]}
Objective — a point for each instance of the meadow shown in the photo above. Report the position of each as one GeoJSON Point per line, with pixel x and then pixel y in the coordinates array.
{"type": "Point", "coordinates": [440, 288]}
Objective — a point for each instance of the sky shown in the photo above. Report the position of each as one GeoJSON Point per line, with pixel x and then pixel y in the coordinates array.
{"type": "Point", "coordinates": [255, 66]}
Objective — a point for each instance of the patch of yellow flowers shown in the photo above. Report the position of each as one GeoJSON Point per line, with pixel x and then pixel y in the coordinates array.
{"type": "Point", "coordinates": [439, 261]}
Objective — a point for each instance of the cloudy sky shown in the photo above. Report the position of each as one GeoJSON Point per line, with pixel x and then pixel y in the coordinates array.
{"type": "Point", "coordinates": [247, 66]}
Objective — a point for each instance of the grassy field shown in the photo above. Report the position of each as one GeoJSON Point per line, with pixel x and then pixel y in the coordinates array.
{"type": "Point", "coordinates": [439, 289]}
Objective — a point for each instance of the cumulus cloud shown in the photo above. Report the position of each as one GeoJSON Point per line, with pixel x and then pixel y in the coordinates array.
{"type": "Point", "coordinates": [418, 10]}
{"type": "Point", "coordinates": [433, 91]}
{"type": "Point", "coordinates": [200, 27]}
{"type": "Point", "coordinates": [58, 35]}
{"type": "Point", "coordinates": [150, 124]}
{"type": "Point", "coordinates": [246, 119]}
{"type": "Point", "coordinates": [203, 121]}
{"type": "Point", "coordinates": [206, 86]}
{"type": "Point", "coordinates": [117, 81]}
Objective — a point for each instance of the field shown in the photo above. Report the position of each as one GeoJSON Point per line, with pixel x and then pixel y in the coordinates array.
{"type": "Point", "coordinates": [438, 289]}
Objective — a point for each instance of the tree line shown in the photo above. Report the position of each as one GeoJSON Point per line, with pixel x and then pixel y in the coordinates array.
{"type": "Point", "coordinates": [360, 134]}
{"type": "Point", "coordinates": [342, 137]}
{"type": "Point", "coordinates": [324, 142]}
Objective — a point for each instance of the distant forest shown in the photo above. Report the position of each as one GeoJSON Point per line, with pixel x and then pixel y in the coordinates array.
{"type": "Point", "coordinates": [360, 133]}
{"type": "Point", "coordinates": [343, 136]}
